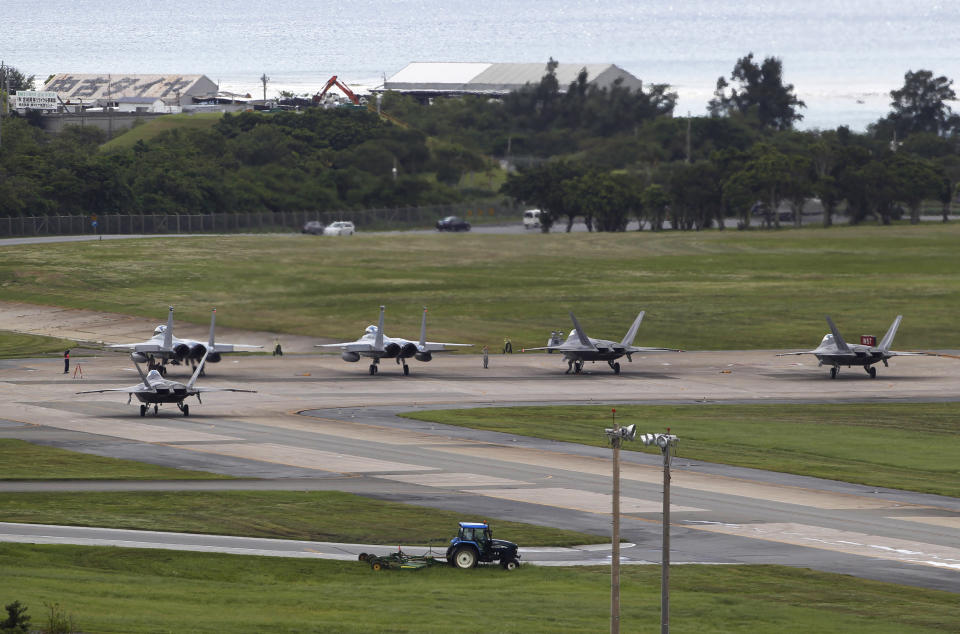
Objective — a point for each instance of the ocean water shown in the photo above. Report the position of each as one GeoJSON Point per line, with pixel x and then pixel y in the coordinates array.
{"type": "Point", "coordinates": [843, 58]}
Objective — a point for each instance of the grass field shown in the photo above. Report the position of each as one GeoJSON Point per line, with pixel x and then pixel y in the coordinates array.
{"type": "Point", "coordinates": [130, 590]}
{"type": "Point", "coordinates": [308, 515]}
{"type": "Point", "coordinates": [707, 290]}
{"type": "Point", "coordinates": [15, 345]}
{"type": "Point", "coordinates": [21, 460]}
{"type": "Point", "coordinates": [910, 446]}
{"type": "Point", "coordinates": [159, 125]}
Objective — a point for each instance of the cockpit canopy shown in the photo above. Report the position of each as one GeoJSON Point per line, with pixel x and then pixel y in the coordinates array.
{"type": "Point", "coordinates": [827, 339]}
{"type": "Point", "coordinates": [159, 330]}
{"type": "Point", "coordinates": [153, 375]}
{"type": "Point", "coordinates": [371, 330]}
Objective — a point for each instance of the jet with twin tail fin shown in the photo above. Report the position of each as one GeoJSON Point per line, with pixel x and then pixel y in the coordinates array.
{"type": "Point", "coordinates": [154, 390]}
{"type": "Point", "coordinates": [376, 345]}
{"type": "Point", "coordinates": [163, 347]}
{"type": "Point", "coordinates": [579, 348]}
{"type": "Point", "coordinates": [835, 352]}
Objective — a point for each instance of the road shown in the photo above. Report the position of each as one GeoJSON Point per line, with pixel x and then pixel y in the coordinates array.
{"type": "Point", "coordinates": [318, 423]}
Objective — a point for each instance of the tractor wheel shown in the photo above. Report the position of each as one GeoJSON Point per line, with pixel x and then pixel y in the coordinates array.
{"type": "Point", "coordinates": [376, 566]}
{"type": "Point", "coordinates": [510, 564]}
{"type": "Point", "coordinates": [465, 558]}
{"type": "Point", "coordinates": [363, 556]}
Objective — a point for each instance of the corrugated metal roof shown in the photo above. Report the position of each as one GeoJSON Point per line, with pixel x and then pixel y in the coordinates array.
{"type": "Point", "coordinates": [483, 78]}
{"type": "Point", "coordinates": [90, 87]}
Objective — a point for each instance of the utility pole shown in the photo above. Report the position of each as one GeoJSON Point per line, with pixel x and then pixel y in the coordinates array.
{"type": "Point", "coordinates": [264, 79]}
{"type": "Point", "coordinates": [3, 75]}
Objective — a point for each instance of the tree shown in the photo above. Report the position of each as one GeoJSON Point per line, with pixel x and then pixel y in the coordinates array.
{"type": "Point", "coordinates": [920, 105]}
{"type": "Point", "coordinates": [761, 93]}
{"type": "Point", "coordinates": [543, 186]}
{"type": "Point", "coordinates": [18, 81]}
{"type": "Point", "coordinates": [17, 619]}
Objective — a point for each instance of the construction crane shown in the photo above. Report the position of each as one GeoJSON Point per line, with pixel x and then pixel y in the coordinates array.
{"type": "Point", "coordinates": [333, 81]}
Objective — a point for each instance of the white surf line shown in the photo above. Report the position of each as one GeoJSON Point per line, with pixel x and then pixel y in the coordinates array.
{"type": "Point", "coordinates": [848, 542]}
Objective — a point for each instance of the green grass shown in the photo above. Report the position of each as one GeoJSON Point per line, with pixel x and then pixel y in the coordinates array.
{"type": "Point", "coordinates": [308, 515]}
{"type": "Point", "coordinates": [909, 446]}
{"type": "Point", "coordinates": [20, 460]}
{"type": "Point", "coordinates": [131, 590]}
{"type": "Point", "coordinates": [158, 125]}
{"type": "Point", "coordinates": [15, 345]}
{"type": "Point", "coordinates": [706, 290]}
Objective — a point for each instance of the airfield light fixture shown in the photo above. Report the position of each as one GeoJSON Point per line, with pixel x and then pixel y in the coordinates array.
{"type": "Point", "coordinates": [664, 442]}
{"type": "Point", "coordinates": [617, 435]}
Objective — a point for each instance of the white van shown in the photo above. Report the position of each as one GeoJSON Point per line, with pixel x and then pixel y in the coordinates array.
{"type": "Point", "coordinates": [531, 219]}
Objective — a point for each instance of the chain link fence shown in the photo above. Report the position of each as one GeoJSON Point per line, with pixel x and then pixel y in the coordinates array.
{"type": "Point", "coordinates": [262, 222]}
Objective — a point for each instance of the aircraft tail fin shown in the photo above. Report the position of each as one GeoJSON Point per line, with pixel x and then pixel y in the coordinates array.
{"type": "Point", "coordinates": [837, 337]}
{"type": "Point", "coordinates": [143, 377]}
{"type": "Point", "coordinates": [887, 340]}
{"type": "Point", "coordinates": [582, 335]}
{"type": "Point", "coordinates": [423, 328]}
{"type": "Point", "coordinates": [213, 323]}
{"type": "Point", "coordinates": [196, 373]}
{"type": "Point", "coordinates": [168, 333]}
{"type": "Point", "coordinates": [632, 333]}
{"type": "Point", "coordinates": [378, 341]}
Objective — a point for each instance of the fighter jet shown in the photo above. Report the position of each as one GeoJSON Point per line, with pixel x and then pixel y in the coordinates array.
{"type": "Point", "coordinates": [375, 345]}
{"type": "Point", "coordinates": [834, 351]}
{"type": "Point", "coordinates": [164, 347]}
{"type": "Point", "coordinates": [579, 348]}
{"type": "Point", "coordinates": [154, 389]}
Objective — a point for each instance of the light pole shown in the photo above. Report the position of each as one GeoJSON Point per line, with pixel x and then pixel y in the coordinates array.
{"type": "Point", "coordinates": [664, 441]}
{"type": "Point", "coordinates": [617, 435]}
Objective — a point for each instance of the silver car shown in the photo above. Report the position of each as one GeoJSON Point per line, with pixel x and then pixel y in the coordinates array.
{"type": "Point", "coordinates": [339, 228]}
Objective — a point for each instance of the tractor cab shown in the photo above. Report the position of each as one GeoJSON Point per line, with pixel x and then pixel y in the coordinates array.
{"type": "Point", "coordinates": [475, 543]}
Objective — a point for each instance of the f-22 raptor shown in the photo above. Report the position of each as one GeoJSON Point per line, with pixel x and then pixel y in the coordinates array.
{"type": "Point", "coordinates": [835, 352]}
{"type": "Point", "coordinates": [579, 348]}
{"type": "Point", "coordinates": [154, 389]}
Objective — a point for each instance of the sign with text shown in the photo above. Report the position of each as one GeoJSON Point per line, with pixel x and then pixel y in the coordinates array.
{"type": "Point", "coordinates": [36, 100]}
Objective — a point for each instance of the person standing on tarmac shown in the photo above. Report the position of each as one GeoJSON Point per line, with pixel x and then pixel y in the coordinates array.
{"type": "Point", "coordinates": [486, 357]}
{"type": "Point", "coordinates": [66, 362]}
{"type": "Point", "coordinates": [507, 346]}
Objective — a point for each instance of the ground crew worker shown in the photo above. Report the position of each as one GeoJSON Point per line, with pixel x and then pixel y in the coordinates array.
{"type": "Point", "coordinates": [66, 362]}
{"type": "Point", "coordinates": [486, 357]}
{"type": "Point", "coordinates": [277, 350]}
{"type": "Point", "coordinates": [507, 346]}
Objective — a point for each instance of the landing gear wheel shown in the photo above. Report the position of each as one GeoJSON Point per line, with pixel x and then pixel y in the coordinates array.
{"type": "Point", "coordinates": [143, 410]}
{"type": "Point", "coordinates": [406, 370]}
{"type": "Point", "coordinates": [373, 369]}
{"type": "Point", "coordinates": [465, 558]}
{"type": "Point", "coordinates": [872, 372]}
{"type": "Point", "coordinates": [578, 367]}
{"type": "Point", "coordinates": [510, 564]}
{"type": "Point", "coordinates": [616, 368]}
{"type": "Point", "coordinates": [186, 409]}
{"type": "Point", "coordinates": [833, 373]}
{"type": "Point", "coordinates": [156, 410]}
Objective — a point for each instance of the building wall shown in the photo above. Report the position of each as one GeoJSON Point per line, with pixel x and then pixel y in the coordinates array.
{"type": "Point", "coordinates": [112, 123]}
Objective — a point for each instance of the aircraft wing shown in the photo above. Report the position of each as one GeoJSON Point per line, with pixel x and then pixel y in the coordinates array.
{"type": "Point", "coordinates": [221, 389]}
{"type": "Point", "coordinates": [133, 389]}
{"type": "Point", "coordinates": [234, 347]}
{"type": "Point", "coordinates": [894, 353]}
{"type": "Point", "coordinates": [787, 354]}
{"type": "Point", "coordinates": [434, 346]}
{"type": "Point", "coordinates": [563, 348]}
{"type": "Point", "coordinates": [349, 346]}
{"type": "Point", "coordinates": [635, 349]}
{"type": "Point", "coordinates": [143, 346]}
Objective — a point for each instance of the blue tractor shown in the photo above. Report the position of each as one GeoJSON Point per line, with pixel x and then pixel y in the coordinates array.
{"type": "Point", "coordinates": [475, 543]}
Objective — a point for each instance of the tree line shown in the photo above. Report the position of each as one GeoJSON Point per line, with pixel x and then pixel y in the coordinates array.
{"type": "Point", "coordinates": [604, 154]}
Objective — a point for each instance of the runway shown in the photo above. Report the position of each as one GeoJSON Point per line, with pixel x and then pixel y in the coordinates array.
{"type": "Point", "coordinates": [319, 423]}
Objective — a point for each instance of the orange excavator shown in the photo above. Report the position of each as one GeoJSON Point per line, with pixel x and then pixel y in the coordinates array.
{"type": "Point", "coordinates": [333, 81]}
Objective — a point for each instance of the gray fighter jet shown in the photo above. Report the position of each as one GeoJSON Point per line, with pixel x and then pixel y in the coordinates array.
{"type": "Point", "coordinates": [163, 347]}
{"type": "Point", "coordinates": [154, 390]}
{"type": "Point", "coordinates": [375, 345]}
{"type": "Point", "coordinates": [835, 352]}
{"type": "Point", "coordinates": [579, 348]}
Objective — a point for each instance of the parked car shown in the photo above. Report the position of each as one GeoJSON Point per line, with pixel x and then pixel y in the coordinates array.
{"type": "Point", "coordinates": [339, 228]}
{"type": "Point", "coordinates": [314, 226]}
{"type": "Point", "coordinates": [531, 219]}
{"type": "Point", "coordinates": [453, 223]}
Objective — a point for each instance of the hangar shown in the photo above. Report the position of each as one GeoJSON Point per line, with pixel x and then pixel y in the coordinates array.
{"type": "Point", "coordinates": [425, 80]}
{"type": "Point", "coordinates": [103, 90]}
